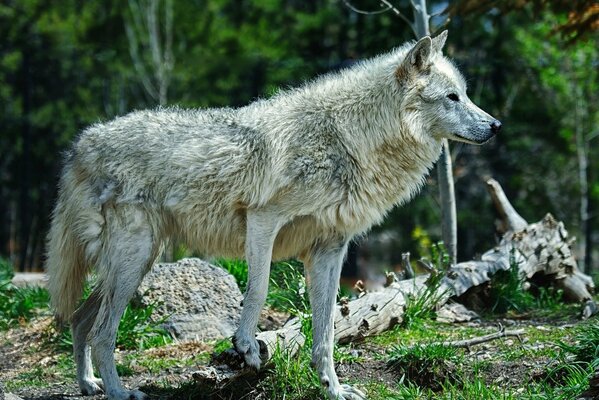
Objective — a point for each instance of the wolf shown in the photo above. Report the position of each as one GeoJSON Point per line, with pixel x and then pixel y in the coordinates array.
{"type": "Point", "coordinates": [296, 175]}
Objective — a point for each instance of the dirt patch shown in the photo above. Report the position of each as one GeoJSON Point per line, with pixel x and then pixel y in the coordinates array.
{"type": "Point", "coordinates": [368, 369]}
{"type": "Point", "coordinates": [167, 372]}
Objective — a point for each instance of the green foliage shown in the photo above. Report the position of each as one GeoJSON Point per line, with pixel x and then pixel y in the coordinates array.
{"type": "Point", "coordinates": [426, 365]}
{"type": "Point", "coordinates": [422, 306]}
{"type": "Point", "coordinates": [180, 251]}
{"type": "Point", "coordinates": [291, 377]}
{"type": "Point", "coordinates": [237, 268]}
{"type": "Point", "coordinates": [18, 304]}
{"type": "Point", "coordinates": [585, 348]}
{"type": "Point", "coordinates": [137, 330]}
{"type": "Point", "coordinates": [288, 290]}
{"type": "Point", "coordinates": [440, 256]}
{"type": "Point", "coordinates": [506, 291]}
{"type": "Point", "coordinates": [549, 298]}
{"type": "Point", "coordinates": [577, 363]}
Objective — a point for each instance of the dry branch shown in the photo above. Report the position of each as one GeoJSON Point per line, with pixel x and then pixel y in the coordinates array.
{"type": "Point", "coordinates": [466, 343]}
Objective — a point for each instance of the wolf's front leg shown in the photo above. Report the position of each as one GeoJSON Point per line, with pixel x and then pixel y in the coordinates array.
{"type": "Point", "coordinates": [324, 271]}
{"type": "Point", "coordinates": [262, 229]}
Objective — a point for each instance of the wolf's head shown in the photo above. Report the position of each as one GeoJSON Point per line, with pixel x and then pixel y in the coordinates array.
{"type": "Point", "coordinates": [437, 91]}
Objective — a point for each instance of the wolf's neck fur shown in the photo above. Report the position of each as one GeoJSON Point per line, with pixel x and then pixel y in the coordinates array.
{"type": "Point", "coordinates": [383, 135]}
{"type": "Point", "coordinates": [365, 111]}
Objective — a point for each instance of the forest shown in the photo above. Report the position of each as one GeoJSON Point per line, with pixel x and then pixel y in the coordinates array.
{"type": "Point", "coordinates": [480, 287]}
{"type": "Point", "coordinates": [65, 65]}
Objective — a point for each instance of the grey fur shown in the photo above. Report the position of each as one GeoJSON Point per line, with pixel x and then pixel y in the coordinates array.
{"type": "Point", "coordinates": [297, 175]}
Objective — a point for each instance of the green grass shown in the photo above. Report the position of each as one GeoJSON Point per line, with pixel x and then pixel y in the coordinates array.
{"type": "Point", "coordinates": [424, 369]}
{"type": "Point", "coordinates": [506, 291]}
{"type": "Point", "coordinates": [137, 330]}
{"type": "Point", "coordinates": [237, 268]}
{"type": "Point", "coordinates": [62, 367]}
{"type": "Point", "coordinates": [290, 377]}
{"type": "Point", "coordinates": [585, 348]}
{"type": "Point", "coordinates": [287, 290]}
{"type": "Point", "coordinates": [18, 305]}
{"type": "Point", "coordinates": [426, 364]}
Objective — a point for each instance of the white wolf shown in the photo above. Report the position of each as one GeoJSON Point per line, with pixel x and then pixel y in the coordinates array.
{"type": "Point", "coordinates": [297, 175]}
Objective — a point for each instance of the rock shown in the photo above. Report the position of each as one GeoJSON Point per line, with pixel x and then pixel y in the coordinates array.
{"type": "Point", "coordinates": [455, 312]}
{"type": "Point", "coordinates": [30, 279]}
{"type": "Point", "coordinates": [199, 300]}
{"type": "Point", "coordinates": [7, 396]}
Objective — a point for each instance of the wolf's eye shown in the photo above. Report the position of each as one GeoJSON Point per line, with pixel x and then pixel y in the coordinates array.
{"type": "Point", "coordinates": [453, 97]}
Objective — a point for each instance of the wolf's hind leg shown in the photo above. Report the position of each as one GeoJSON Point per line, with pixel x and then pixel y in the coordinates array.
{"type": "Point", "coordinates": [324, 270]}
{"type": "Point", "coordinates": [126, 257]}
{"type": "Point", "coordinates": [82, 321]}
{"type": "Point", "coordinates": [262, 229]}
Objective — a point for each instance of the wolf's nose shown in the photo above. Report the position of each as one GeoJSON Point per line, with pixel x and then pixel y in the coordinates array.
{"type": "Point", "coordinates": [495, 126]}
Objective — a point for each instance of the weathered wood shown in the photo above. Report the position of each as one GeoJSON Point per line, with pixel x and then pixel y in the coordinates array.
{"type": "Point", "coordinates": [511, 218]}
{"type": "Point", "coordinates": [466, 343]}
{"type": "Point", "coordinates": [289, 338]}
{"type": "Point", "coordinates": [540, 248]}
{"type": "Point", "coordinates": [227, 367]}
{"type": "Point", "coordinates": [375, 312]}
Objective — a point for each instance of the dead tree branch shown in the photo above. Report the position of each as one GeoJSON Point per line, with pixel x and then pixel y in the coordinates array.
{"type": "Point", "coordinates": [466, 343]}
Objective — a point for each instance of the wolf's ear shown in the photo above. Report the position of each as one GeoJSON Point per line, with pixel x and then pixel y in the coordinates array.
{"type": "Point", "coordinates": [439, 41]}
{"type": "Point", "coordinates": [418, 59]}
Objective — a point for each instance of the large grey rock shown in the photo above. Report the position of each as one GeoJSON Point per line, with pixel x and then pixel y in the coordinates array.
{"type": "Point", "coordinates": [201, 301]}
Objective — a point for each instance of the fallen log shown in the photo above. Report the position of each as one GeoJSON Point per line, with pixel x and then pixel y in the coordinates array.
{"type": "Point", "coordinates": [542, 248]}
{"type": "Point", "coordinates": [539, 248]}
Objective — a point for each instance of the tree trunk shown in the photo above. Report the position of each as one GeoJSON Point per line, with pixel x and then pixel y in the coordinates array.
{"type": "Point", "coordinates": [583, 162]}
{"type": "Point", "coordinates": [449, 224]}
{"type": "Point", "coordinates": [449, 220]}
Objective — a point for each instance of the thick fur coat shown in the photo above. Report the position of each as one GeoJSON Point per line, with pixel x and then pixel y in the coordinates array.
{"type": "Point", "coordinates": [296, 175]}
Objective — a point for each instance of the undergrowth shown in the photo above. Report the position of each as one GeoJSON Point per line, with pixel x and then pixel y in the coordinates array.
{"type": "Point", "coordinates": [18, 305]}
{"type": "Point", "coordinates": [137, 329]}
{"type": "Point", "coordinates": [287, 290]}
{"type": "Point", "coordinates": [428, 365]}
{"type": "Point", "coordinates": [507, 293]}
{"type": "Point", "coordinates": [423, 305]}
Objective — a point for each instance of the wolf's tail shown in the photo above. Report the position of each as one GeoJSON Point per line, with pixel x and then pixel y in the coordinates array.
{"type": "Point", "coordinates": [66, 261]}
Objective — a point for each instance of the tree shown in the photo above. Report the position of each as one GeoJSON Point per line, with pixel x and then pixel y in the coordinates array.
{"type": "Point", "coordinates": [150, 47]}
{"type": "Point", "coordinates": [568, 79]}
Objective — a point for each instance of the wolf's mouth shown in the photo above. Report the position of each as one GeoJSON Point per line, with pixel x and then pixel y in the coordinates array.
{"type": "Point", "coordinates": [477, 140]}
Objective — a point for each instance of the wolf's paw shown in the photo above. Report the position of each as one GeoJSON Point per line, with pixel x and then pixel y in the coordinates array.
{"type": "Point", "coordinates": [91, 386]}
{"type": "Point", "coordinates": [347, 392]}
{"type": "Point", "coordinates": [335, 391]}
{"type": "Point", "coordinates": [249, 349]}
{"type": "Point", "coordinates": [127, 395]}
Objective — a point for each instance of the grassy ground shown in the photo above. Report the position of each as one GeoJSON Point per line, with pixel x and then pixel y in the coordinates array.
{"type": "Point", "coordinates": [553, 359]}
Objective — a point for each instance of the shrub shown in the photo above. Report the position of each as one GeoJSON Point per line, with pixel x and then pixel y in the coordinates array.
{"type": "Point", "coordinates": [506, 291]}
